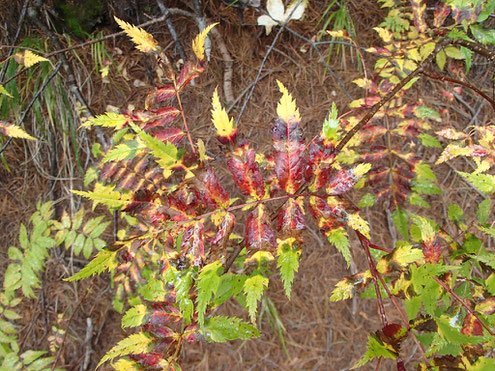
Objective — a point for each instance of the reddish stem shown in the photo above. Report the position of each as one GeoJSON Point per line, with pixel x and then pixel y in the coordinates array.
{"type": "Point", "coordinates": [460, 301]}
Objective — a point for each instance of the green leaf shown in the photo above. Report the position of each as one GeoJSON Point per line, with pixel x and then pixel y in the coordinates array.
{"type": "Point", "coordinates": [108, 120]}
{"type": "Point", "coordinates": [455, 213]}
{"type": "Point", "coordinates": [121, 152]}
{"type": "Point", "coordinates": [401, 221]}
{"type": "Point", "coordinates": [483, 364]}
{"type": "Point", "coordinates": [338, 237]}
{"type": "Point", "coordinates": [441, 58]}
{"type": "Point", "coordinates": [484, 209]}
{"type": "Point", "coordinates": [31, 356]}
{"type": "Point", "coordinates": [484, 182]}
{"type": "Point", "coordinates": [78, 244]}
{"type": "Point", "coordinates": [288, 262]}
{"type": "Point", "coordinates": [207, 284]}
{"type": "Point", "coordinates": [367, 200]}
{"type": "Point", "coordinates": [412, 304]}
{"type": "Point", "coordinates": [183, 285]}
{"type": "Point", "coordinates": [230, 285]}
{"type": "Point", "coordinates": [135, 316]}
{"type": "Point", "coordinates": [104, 260]}
{"type": "Point", "coordinates": [253, 288]}
{"type": "Point", "coordinates": [483, 35]}
{"type": "Point", "coordinates": [134, 344]}
{"type": "Point", "coordinates": [429, 141]}
{"type": "Point", "coordinates": [220, 329]}
{"type": "Point", "coordinates": [166, 153]}
{"type": "Point", "coordinates": [331, 124]}
{"type": "Point", "coordinates": [375, 349]}
{"type": "Point", "coordinates": [106, 195]}
{"type": "Point", "coordinates": [417, 200]}
{"type": "Point", "coordinates": [468, 58]}
{"type": "Point", "coordinates": [88, 248]}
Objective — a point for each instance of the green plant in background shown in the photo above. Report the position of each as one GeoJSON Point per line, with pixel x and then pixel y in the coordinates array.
{"type": "Point", "coordinates": [336, 17]}
{"type": "Point", "coordinates": [23, 275]}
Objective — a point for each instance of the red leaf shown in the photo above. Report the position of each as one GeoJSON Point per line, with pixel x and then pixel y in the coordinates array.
{"type": "Point", "coordinates": [291, 218]}
{"type": "Point", "coordinates": [321, 154]}
{"type": "Point", "coordinates": [289, 162]}
{"type": "Point", "coordinates": [471, 326]}
{"type": "Point", "coordinates": [247, 175]}
{"type": "Point", "coordinates": [193, 244]}
{"type": "Point", "coordinates": [259, 235]}
{"type": "Point", "coordinates": [214, 189]}
{"type": "Point", "coordinates": [172, 135]}
{"type": "Point", "coordinates": [431, 251]}
{"type": "Point", "coordinates": [419, 9]}
{"type": "Point", "coordinates": [160, 94]}
{"type": "Point", "coordinates": [225, 229]}
{"type": "Point", "coordinates": [189, 71]}
{"type": "Point", "coordinates": [342, 182]}
{"type": "Point", "coordinates": [442, 11]}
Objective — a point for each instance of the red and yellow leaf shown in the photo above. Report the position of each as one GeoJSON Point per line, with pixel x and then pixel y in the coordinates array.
{"type": "Point", "coordinates": [226, 131]}
{"type": "Point", "coordinates": [259, 234]}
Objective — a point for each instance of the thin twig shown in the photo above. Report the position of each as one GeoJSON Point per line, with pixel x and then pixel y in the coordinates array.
{"type": "Point", "coordinates": [265, 57]}
{"type": "Point", "coordinates": [460, 301]}
{"type": "Point", "coordinates": [14, 41]}
{"type": "Point", "coordinates": [466, 84]}
{"type": "Point", "coordinates": [166, 13]}
{"type": "Point", "coordinates": [30, 105]}
{"type": "Point", "coordinates": [229, 63]}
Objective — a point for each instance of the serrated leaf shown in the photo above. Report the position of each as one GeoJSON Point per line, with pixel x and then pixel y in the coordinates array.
{"type": "Point", "coordinates": [104, 260]}
{"type": "Point", "coordinates": [28, 58]}
{"type": "Point", "coordinates": [126, 365]}
{"type": "Point", "coordinates": [286, 108]}
{"type": "Point", "coordinates": [105, 194]}
{"type": "Point", "coordinates": [226, 131]}
{"type": "Point", "coordinates": [331, 124]}
{"type": "Point", "coordinates": [207, 284]}
{"type": "Point", "coordinates": [339, 238]}
{"type": "Point", "coordinates": [356, 222]}
{"type": "Point", "coordinates": [455, 213]}
{"type": "Point", "coordinates": [483, 35]}
{"type": "Point", "coordinates": [253, 289]}
{"type": "Point", "coordinates": [367, 200]}
{"type": "Point", "coordinates": [121, 152]}
{"type": "Point", "coordinates": [220, 329]}
{"type": "Point", "coordinates": [134, 344]}
{"type": "Point", "coordinates": [198, 44]}
{"type": "Point", "coordinates": [14, 131]}
{"type": "Point", "coordinates": [375, 349]}
{"type": "Point", "coordinates": [484, 209]}
{"type": "Point", "coordinates": [143, 40]}
{"type": "Point", "coordinates": [429, 141]}
{"type": "Point", "coordinates": [3, 91]}
{"type": "Point", "coordinates": [288, 262]}
{"type": "Point", "coordinates": [108, 120]}
{"type": "Point", "coordinates": [134, 316]}
{"type": "Point", "coordinates": [484, 182]}
{"type": "Point", "coordinates": [183, 285]}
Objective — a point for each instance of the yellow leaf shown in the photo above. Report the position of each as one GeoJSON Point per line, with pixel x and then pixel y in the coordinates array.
{"type": "Point", "coordinates": [28, 58]}
{"type": "Point", "coordinates": [339, 33]}
{"type": "Point", "coordinates": [357, 223]}
{"type": "Point", "coordinates": [198, 44]}
{"type": "Point", "coordinates": [224, 125]}
{"type": "Point", "coordinates": [14, 131]}
{"type": "Point", "coordinates": [3, 91]}
{"type": "Point", "coordinates": [286, 109]}
{"type": "Point", "coordinates": [384, 34]}
{"type": "Point", "coordinates": [202, 151]}
{"type": "Point", "coordinates": [143, 40]}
